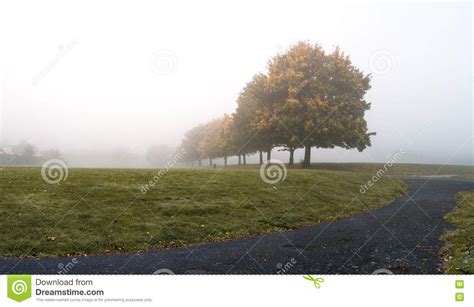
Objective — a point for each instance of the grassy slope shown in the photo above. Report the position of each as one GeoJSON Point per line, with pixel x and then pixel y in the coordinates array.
{"type": "Point", "coordinates": [103, 210]}
{"type": "Point", "coordinates": [402, 169]}
{"type": "Point", "coordinates": [459, 250]}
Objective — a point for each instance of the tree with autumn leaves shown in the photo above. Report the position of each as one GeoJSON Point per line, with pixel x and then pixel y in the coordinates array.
{"type": "Point", "coordinates": [309, 98]}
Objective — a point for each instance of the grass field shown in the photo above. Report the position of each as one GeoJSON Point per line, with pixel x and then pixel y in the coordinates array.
{"type": "Point", "coordinates": [396, 170]}
{"type": "Point", "coordinates": [402, 169]}
{"type": "Point", "coordinates": [459, 251]}
{"type": "Point", "coordinates": [104, 211]}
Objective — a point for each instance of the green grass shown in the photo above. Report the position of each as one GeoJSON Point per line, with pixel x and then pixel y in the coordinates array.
{"type": "Point", "coordinates": [459, 250]}
{"type": "Point", "coordinates": [102, 210]}
{"type": "Point", "coordinates": [396, 170]}
{"type": "Point", "coordinates": [402, 169]}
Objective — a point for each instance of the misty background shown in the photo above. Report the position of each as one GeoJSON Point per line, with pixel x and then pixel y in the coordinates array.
{"type": "Point", "coordinates": [114, 85]}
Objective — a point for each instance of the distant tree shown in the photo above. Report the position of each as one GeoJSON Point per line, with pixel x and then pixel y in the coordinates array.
{"type": "Point", "coordinates": [226, 146]}
{"type": "Point", "coordinates": [51, 154]}
{"type": "Point", "coordinates": [27, 153]}
{"type": "Point", "coordinates": [190, 144]}
{"type": "Point", "coordinates": [27, 150]}
{"type": "Point", "coordinates": [209, 145]}
{"type": "Point", "coordinates": [158, 155]}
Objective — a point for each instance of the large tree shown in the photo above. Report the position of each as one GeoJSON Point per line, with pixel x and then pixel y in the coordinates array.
{"type": "Point", "coordinates": [320, 99]}
{"type": "Point", "coordinates": [253, 129]}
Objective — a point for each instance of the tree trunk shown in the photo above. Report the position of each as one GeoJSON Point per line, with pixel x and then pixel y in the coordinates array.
{"type": "Point", "coordinates": [240, 162]}
{"type": "Point", "coordinates": [269, 155]}
{"type": "Point", "coordinates": [210, 162]}
{"type": "Point", "coordinates": [245, 160]}
{"type": "Point", "coordinates": [260, 153]}
{"type": "Point", "coordinates": [199, 163]}
{"type": "Point", "coordinates": [225, 161]}
{"type": "Point", "coordinates": [307, 156]}
{"type": "Point", "coordinates": [292, 151]}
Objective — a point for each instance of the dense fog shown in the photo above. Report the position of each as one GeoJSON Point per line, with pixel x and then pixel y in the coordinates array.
{"type": "Point", "coordinates": [119, 87]}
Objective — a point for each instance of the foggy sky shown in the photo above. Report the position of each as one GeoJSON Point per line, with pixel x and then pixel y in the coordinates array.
{"type": "Point", "coordinates": [107, 76]}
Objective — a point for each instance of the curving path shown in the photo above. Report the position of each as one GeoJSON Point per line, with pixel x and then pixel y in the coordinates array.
{"type": "Point", "coordinates": [403, 237]}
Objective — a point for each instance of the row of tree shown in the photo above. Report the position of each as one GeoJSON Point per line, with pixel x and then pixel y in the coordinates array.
{"type": "Point", "coordinates": [308, 98]}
